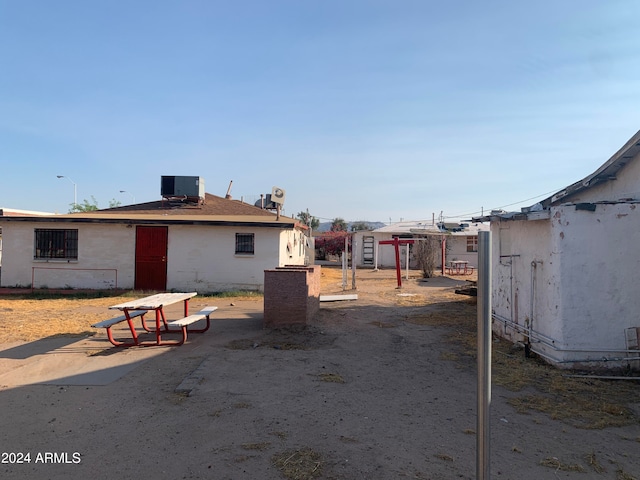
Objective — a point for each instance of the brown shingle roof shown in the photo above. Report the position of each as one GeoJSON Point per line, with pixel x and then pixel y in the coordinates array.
{"type": "Point", "coordinates": [213, 206]}
{"type": "Point", "coordinates": [214, 211]}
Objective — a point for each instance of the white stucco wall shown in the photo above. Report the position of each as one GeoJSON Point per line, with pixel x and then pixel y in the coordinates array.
{"type": "Point", "coordinates": [199, 258]}
{"type": "Point", "coordinates": [600, 265]}
{"type": "Point", "coordinates": [581, 295]}
{"type": "Point", "coordinates": [105, 257]}
{"type": "Point", "coordinates": [386, 254]}
{"type": "Point", "coordinates": [457, 248]}
{"type": "Point", "coordinates": [203, 259]}
{"type": "Point", "coordinates": [515, 245]}
{"type": "Point", "coordinates": [293, 248]}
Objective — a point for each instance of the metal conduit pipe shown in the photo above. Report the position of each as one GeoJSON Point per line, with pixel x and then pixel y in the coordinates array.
{"type": "Point", "coordinates": [550, 342]}
{"type": "Point", "coordinates": [603, 377]}
{"type": "Point", "coordinates": [534, 277]}
{"type": "Point", "coordinates": [520, 328]}
{"type": "Point", "coordinates": [582, 360]}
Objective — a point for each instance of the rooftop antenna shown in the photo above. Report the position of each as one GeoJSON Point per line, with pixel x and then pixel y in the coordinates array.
{"type": "Point", "coordinates": [228, 195]}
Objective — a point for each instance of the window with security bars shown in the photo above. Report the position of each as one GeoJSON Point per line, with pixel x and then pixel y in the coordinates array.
{"type": "Point", "coordinates": [56, 244]}
{"type": "Point", "coordinates": [244, 243]}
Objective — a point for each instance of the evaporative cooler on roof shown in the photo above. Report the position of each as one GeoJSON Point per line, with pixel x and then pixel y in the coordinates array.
{"type": "Point", "coordinates": [189, 189]}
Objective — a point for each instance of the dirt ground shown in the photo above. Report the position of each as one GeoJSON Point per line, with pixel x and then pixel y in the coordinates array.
{"type": "Point", "coordinates": [382, 387]}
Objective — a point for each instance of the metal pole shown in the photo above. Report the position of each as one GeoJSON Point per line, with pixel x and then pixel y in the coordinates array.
{"type": "Point", "coordinates": [443, 244]}
{"type": "Point", "coordinates": [375, 266]}
{"type": "Point", "coordinates": [353, 262]}
{"type": "Point", "coordinates": [407, 266]}
{"type": "Point", "coordinates": [344, 272]}
{"type": "Point", "coordinates": [345, 275]}
{"type": "Point", "coordinates": [75, 189]}
{"type": "Point", "coordinates": [484, 356]}
{"type": "Point", "coordinates": [396, 245]}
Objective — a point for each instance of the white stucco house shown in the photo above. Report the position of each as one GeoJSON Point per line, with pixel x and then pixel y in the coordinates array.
{"type": "Point", "coordinates": [12, 212]}
{"type": "Point", "coordinates": [461, 242]}
{"type": "Point", "coordinates": [216, 244]}
{"type": "Point", "coordinates": [565, 270]}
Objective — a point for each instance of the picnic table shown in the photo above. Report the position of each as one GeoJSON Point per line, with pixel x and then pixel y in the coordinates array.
{"type": "Point", "coordinates": [459, 267]}
{"type": "Point", "coordinates": [141, 306]}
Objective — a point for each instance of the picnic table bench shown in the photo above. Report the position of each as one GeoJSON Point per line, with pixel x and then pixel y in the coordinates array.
{"type": "Point", "coordinates": [139, 307]}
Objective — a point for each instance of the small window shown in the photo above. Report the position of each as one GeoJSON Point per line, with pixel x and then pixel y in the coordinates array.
{"type": "Point", "coordinates": [244, 243]}
{"type": "Point", "coordinates": [56, 244]}
{"type": "Point", "coordinates": [472, 244]}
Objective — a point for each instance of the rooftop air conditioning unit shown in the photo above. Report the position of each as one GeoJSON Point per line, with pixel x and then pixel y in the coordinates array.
{"type": "Point", "coordinates": [182, 187]}
{"type": "Point", "coordinates": [266, 202]}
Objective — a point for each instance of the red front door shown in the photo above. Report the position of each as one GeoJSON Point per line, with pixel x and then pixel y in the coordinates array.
{"type": "Point", "coordinates": [151, 258]}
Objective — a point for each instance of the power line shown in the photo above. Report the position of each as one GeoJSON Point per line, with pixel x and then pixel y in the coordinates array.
{"type": "Point", "coordinates": [503, 206]}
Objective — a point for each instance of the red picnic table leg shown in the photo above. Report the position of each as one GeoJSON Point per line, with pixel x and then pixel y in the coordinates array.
{"type": "Point", "coordinates": [132, 329]}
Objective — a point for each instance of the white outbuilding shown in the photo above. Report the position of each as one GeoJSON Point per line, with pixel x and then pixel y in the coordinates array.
{"type": "Point", "coordinates": [461, 242]}
{"type": "Point", "coordinates": [565, 270]}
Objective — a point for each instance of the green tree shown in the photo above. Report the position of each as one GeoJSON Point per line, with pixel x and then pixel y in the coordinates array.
{"type": "Point", "coordinates": [338, 225]}
{"type": "Point", "coordinates": [91, 206]}
{"type": "Point", "coordinates": [357, 226]}
{"type": "Point", "coordinates": [310, 221]}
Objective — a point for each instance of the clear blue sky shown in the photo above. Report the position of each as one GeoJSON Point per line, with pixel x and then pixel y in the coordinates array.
{"type": "Point", "coordinates": [359, 109]}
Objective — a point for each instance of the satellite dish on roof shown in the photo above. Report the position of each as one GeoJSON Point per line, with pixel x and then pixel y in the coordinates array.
{"type": "Point", "coordinates": [277, 195]}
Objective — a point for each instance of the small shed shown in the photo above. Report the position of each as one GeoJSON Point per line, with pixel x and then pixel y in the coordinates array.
{"type": "Point", "coordinates": [565, 269]}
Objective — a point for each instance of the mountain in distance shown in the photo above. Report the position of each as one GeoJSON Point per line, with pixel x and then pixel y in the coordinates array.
{"type": "Point", "coordinates": [326, 226]}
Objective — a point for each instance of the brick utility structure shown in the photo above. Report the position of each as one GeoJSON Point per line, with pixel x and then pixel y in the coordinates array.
{"type": "Point", "coordinates": [291, 295]}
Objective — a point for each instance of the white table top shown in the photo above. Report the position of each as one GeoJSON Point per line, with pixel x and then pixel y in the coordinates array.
{"type": "Point", "coordinates": [154, 301]}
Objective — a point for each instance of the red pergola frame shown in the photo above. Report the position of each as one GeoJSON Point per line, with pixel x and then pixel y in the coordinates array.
{"type": "Point", "coordinates": [396, 242]}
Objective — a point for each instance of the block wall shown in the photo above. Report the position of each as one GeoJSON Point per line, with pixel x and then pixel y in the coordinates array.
{"type": "Point", "coordinates": [291, 295]}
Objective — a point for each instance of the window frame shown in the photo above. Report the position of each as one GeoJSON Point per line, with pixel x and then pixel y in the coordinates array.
{"type": "Point", "coordinates": [472, 243]}
{"type": "Point", "coordinates": [245, 244]}
{"type": "Point", "coordinates": [55, 244]}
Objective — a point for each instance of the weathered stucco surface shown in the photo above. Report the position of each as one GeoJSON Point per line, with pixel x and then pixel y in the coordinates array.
{"type": "Point", "coordinates": [570, 279]}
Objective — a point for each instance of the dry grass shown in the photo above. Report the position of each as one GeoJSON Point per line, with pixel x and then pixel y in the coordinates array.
{"type": "Point", "coordinates": [256, 446]}
{"type": "Point", "coordinates": [31, 317]}
{"type": "Point", "coordinates": [622, 475]}
{"type": "Point", "coordinates": [23, 319]}
{"type": "Point", "coordinates": [556, 464]}
{"type": "Point", "coordinates": [583, 403]}
{"type": "Point", "coordinates": [445, 457]}
{"type": "Point", "coordinates": [331, 378]}
{"type": "Point", "coordinates": [303, 464]}
{"type": "Point", "coordinates": [592, 461]}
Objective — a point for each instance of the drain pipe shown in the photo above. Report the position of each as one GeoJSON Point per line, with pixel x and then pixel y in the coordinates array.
{"type": "Point", "coordinates": [534, 277]}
